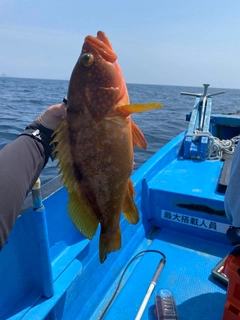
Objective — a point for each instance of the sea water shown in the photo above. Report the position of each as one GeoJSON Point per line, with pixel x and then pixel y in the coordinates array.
{"type": "Point", "coordinates": [23, 100]}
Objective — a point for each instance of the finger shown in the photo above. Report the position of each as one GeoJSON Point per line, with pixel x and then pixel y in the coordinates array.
{"type": "Point", "coordinates": [63, 110]}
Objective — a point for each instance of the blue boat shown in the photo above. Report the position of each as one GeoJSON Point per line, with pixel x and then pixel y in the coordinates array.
{"type": "Point", "coordinates": [48, 270]}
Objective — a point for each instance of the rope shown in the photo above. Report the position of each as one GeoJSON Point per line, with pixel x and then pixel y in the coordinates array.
{"type": "Point", "coordinates": [216, 147]}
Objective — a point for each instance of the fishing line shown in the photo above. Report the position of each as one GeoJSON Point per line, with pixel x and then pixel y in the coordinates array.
{"type": "Point", "coordinates": [123, 273]}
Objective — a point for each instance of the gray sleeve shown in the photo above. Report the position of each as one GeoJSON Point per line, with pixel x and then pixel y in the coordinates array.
{"type": "Point", "coordinates": [232, 196]}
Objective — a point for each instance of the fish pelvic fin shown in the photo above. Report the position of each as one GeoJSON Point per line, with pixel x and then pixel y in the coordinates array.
{"type": "Point", "coordinates": [79, 209]}
{"type": "Point", "coordinates": [126, 110]}
{"type": "Point", "coordinates": [109, 242]}
{"type": "Point", "coordinates": [130, 210]}
{"type": "Point", "coordinates": [138, 137]}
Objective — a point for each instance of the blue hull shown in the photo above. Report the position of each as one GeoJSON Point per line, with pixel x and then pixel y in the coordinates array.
{"type": "Point", "coordinates": [48, 270]}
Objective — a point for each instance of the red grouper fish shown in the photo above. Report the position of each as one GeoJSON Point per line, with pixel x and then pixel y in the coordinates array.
{"type": "Point", "coordinates": [95, 145]}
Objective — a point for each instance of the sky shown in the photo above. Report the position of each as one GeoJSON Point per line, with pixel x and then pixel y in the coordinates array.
{"type": "Point", "coordinates": [166, 42]}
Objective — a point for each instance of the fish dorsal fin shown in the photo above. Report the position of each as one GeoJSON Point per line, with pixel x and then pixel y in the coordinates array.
{"type": "Point", "coordinates": [130, 210]}
{"type": "Point", "coordinates": [126, 110]}
{"type": "Point", "coordinates": [79, 210]}
{"type": "Point", "coordinates": [138, 137]}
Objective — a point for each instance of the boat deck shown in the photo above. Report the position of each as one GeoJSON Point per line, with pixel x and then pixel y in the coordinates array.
{"type": "Point", "coordinates": [191, 235]}
{"type": "Point", "coordinates": [182, 215]}
{"type": "Point", "coordinates": [180, 177]}
{"type": "Point", "coordinates": [187, 274]}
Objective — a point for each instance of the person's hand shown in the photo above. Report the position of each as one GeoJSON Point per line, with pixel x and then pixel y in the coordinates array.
{"type": "Point", "coordinates": [53, 115]}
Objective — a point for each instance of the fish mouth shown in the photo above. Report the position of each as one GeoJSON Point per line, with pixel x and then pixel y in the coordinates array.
{"type": "Point", "coordinates": [103, 46]}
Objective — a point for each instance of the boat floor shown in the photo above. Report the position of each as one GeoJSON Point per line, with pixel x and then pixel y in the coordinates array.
{"type": "Point", "coordinates": [187, 274]}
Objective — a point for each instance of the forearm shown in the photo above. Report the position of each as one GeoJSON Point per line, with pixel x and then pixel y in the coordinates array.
{"type": "Point", "coordinates": [21, 163]}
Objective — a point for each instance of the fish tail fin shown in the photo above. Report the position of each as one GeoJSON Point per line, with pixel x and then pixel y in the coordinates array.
{"type": "Point", "coordinates": [109, 242]}
{"type": "Point", "coordinates": [130, 210]}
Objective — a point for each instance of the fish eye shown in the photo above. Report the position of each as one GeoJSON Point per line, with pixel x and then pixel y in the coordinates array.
{"type": "Point", "coordinates": [86, 59]}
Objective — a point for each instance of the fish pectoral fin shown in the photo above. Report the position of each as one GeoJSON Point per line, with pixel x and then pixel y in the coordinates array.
{"type": "Point", "coordinates": [138, 137]}
{"type": "Point", "coordinates": [109, 242]}
{"type": "Point", "coordinates": [126, 110]}
{"type": "Point", "coordinates": [130, 210]}
{"type": "Point", "coordinates": [81, 215]}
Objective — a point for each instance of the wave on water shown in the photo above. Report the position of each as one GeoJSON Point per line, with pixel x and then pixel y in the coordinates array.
{"type": "Point", "coordinates": [23, 100]}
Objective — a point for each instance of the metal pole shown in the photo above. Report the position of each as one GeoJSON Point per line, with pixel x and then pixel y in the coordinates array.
{"type": "Point", "coordinates": [36, 195]}
{"type": "Point", "coordinates": [151, 288]}
{"type": "Point", "coordinates": [203, 106]}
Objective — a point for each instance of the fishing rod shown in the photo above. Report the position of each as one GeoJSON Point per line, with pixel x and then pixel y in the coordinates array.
{"type": "Point", "coordinates": [151, 287]}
